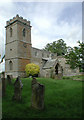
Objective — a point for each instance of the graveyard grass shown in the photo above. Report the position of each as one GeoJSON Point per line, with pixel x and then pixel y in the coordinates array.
{"type": "Point", "coordinates": [63, 99]}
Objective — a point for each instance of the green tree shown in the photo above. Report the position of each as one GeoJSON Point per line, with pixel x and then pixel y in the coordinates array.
{"type": "Point", "coordinates": [58, 47]}
{"type": "Point", "coordinates": [75, 57]}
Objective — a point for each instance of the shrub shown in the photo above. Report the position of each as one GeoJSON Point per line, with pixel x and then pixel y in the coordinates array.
{"type": "Point", "coordinates": [32, 69]}
{"type": "Point", "coordinates": [66, 77]}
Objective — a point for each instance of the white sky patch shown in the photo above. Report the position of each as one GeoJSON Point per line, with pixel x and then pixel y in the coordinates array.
{"type": "Point", "coordinates": [43, 23]}
{"type": "Point", "coordinates": [38, 41]}
{"type": "Point", "coordinates": [70, 33]}
{"type": "Point", "coordinates": [45, 0]}
{"type": "Point", "coordinates": [2, 36]}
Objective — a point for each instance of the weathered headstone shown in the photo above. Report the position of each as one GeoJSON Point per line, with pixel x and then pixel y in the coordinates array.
{"type": "Point", "coordinates": [9, 79]}
{"type": "Point", "coordinates": [17, 89]}
{"type": "Point", "coordinates": [3, 84]}
{"type": "Point", "coordinates": [37, 100]}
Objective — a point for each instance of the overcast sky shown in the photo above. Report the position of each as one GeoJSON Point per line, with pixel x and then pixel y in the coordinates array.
{"type": "Point", "coordinates": [50, 21]}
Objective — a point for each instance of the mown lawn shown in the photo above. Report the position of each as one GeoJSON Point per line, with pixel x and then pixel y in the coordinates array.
{"type": "Point", "coordinates": [63, 99]}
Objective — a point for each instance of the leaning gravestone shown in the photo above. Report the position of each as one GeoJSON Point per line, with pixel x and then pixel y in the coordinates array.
{"type": "Point", "coordinates": [3, 84]}
{"type": "Point", "coordinates": [37, 100]}
{"type": "Point", "coordinates": [9, 79]}
{"type": "Point", "coordinates": [17, 89]}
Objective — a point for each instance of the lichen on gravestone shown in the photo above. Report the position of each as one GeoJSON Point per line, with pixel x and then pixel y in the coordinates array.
{"type": "Point", "coordinates": [37, 100]}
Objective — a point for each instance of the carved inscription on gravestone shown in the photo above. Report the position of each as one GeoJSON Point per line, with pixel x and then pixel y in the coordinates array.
{"type": "Point", "coordinates": [37, 100]}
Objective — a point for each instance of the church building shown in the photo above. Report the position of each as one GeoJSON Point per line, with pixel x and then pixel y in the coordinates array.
{"type": "Point", "coordinates": [19, 52]}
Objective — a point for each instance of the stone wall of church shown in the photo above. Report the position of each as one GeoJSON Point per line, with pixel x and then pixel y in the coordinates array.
{"type": "Point", "coordinates": [10, 39]}
{"type": "Point", "coordinates": [11, 50]}
{"type": "Point", "coordinates": [22, 63]}
{"type": "Point", "coordinates": [20, 36]}
{"type": "Point", "coordinates": [67, 71]}
{"type": "Point", "coordinates": [16, 73]}
{"type": "Point", "coordinates": [37, 55]}
{"type": "Point", "coordinates": [45, 73]}
{"type": "Point", "coordinates": [14, 65]}
{"type": "Point", "coordinates": [24, 50]}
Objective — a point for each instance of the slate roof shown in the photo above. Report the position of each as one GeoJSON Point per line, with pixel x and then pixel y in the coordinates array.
{"type": "Point", "coordinates": [49, 64]}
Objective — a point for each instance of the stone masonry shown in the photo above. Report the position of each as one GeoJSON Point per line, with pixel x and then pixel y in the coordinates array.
{"type": "Point", "coordinates": [18, 47]}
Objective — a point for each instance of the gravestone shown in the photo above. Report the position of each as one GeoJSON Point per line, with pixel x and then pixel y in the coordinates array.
{"type": "Point", "coordinates": [9, 79]}
{"type": "Point", "coordinates": [17, 89]}
{"type": "Point", "coordinates": [3, 84]}
{"type": "Point", "coordinates": [37, 100]}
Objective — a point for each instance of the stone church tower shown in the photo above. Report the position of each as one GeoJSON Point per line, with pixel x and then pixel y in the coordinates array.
{"type": "Point", "coordinates": [18, 46]}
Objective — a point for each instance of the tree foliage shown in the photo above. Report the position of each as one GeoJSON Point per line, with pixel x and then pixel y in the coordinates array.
{"type": "Point", "coordinates": [58, 47]}
{"type": "Point", "coordinates": [32, 69]}
{"type": "Point", "coordinates": [75, 57]}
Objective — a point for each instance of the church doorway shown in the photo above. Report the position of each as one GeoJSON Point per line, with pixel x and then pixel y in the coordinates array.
{"type": "Point", "coordinates": [56, 68]}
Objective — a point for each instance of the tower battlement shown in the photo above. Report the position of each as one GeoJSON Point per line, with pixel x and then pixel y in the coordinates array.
{"type": "Point", "coordinates": [19, 19]}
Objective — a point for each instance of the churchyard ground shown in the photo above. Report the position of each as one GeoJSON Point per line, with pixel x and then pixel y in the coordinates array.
{"type": "Point", "coordinates": [63, 99]}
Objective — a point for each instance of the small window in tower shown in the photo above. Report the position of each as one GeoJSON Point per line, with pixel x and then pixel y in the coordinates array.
{"type": "Point", "coordinates": [11, 32]}
{"type": "Point", "coordinates": [24, 32]}
{"type": "Point", "coordinates": [10, 65]}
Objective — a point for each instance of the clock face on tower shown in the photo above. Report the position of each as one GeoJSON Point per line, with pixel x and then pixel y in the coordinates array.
{"type": "Point", "coordinates": [25, 45]}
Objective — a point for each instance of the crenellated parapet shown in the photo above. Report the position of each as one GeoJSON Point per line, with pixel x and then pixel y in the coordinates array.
{"type": "Point", "coordinates": [18, 19]}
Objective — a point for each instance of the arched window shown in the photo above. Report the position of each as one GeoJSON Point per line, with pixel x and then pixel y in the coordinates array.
{"type": "Point", "coordinates": [10, 65]}
{"type": "Point", "coordinates": [24, 32]}
{"type": "Point", "coordinates": [11, 32]}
